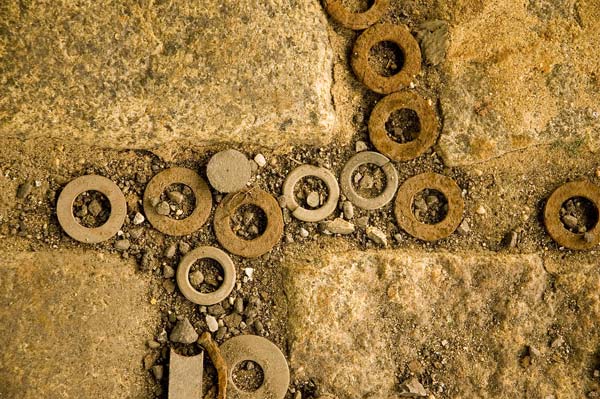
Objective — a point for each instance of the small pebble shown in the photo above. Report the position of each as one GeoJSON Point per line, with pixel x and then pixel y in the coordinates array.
{"type": "Point", "coordinates": [196, 278]}
{"type": "Point", "coordinates": [481, 210]}
{"type": "Point", "coordinates": [464, 228]}
{"type": "Point", "coordinates": [338, 226]}
{"type": "Point", "coordinates": [176, 196]}
{"type": "Point", "coordinates": [184, 247]}
{"type": "Point", "coordinates": [24, 190]}
{"type": "Point", "coordinates": [184, 332]}
{"type": "Point", "coordinates": [361, 146]}
{"type": "Point", "coordinates": [95, 208]}
{"type": "Point", "coordinates": [168, 271]}
{"type": "Point", "coordinates": [212, 323]}
{"type": "Point", "coordinates": [239, 305]}
{"type": "Point", "coordinates": [362, 222]}
{"type": "Point", "coordinates": [163, 208]}
{"type": "Point", "coordinates": [221, 333]}
{"type": "Point", "coordinates": [303, 232]}
{"type": "Point", "coordinates": [158, 372]}
{"type": "Point", "coordinates": [260, 160]}
{"type": "Point", "coordinates": [136, 233]}
{"type": "Point", "coordinates": [171, 250]}
{"type": "Point", "coordinates": [122, 245]}
{"type": "Point", "coordinates": [570, 221]}
{"type": "Point", "coordinates": [377, 236]}
{"type": "Point", "coordinates": [249, 272]}
{"type": "Point", "coordinates": [216, 310]}
{"type": "Point", "coordinates": [169, 286]}
{"type": "Point", "coordinates": [138, 218]}
{"type": "Point", "coordinates": [152, 344]}
{"type": "Point", "coordinates": [313, 199]}
{"type": "Point", "coordinates": [282, 201]}
{"type": "Point", "coordinates": [348, 209]}
{"type": "Point", "coordinates": [588, 237]}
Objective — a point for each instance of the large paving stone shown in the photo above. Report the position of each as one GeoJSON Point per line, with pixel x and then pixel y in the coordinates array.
{"type": "Point", "coordinates": [73, 326]}
{"type": "Point", "coordinates": [519, 74]}
{"type": "Point", "coordinates": [467, 325]}
{"type": "Point", "coordinates": [137, 74]}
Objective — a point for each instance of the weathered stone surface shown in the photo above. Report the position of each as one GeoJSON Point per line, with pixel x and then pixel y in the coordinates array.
{"type": "Point", "coordinates": [129, 74]}
{"type": "Point", "coordinates": [73, 325]}
{"type": "Point", "coordinates": [465, 325]}
{"type": "Point", "coordinates": [520, 73]}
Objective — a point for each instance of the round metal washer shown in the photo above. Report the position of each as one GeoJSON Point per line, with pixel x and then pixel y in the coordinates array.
{"type": "Point", "coordinates": [269, 358]}
{"type": "Point", "coordinates": [391, 177]}
{"type": "Point", "coordinates": [64, 209]}
{"type": "Point", "coordinates": [397, 34]}
{"type": "Point", "coordinates": [381, 114]}
{"type": "Point", "coordinates": [554, 225]}
{"type": "Point", "coordinates": [408, 221]}
{"type": "Point", "coordinates": [259, 245]}
{"type": "Point", "coordinates": [311, 215]}
{"type": "Point", "coordinates": [356, 21]}
{"type": "Point", "coordinates": [183, 271]}
{"type": "Point", "coordinates": [157, 186]}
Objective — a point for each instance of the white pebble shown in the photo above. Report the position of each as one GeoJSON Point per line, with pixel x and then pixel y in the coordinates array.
{"type": "Point", "coordinates": [303, 232]}
{"type": "Point", "coordinates": [212, 323]}
{"type": "Point", "coordinates": [249, 272]}
{"type": "Point", "coordinates": [138, 218]}
{"type": "Point", "coordinates": [361, 146]}
{"type": "Point", "coordinates": [481, 210]}
{"type": "Point", "coordinates": [260, 160]}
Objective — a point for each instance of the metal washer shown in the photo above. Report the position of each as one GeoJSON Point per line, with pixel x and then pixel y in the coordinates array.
{"type": "Point", "coordinates": [401, 36]}
{"type": "Point", "coordinates": [183, 271]}
{"type": "Point", "coordinates": [311, 215]}
{"type": "Point", "coordinates": [202, 195]}
{"type": "Point", "coordinates": [118, 209]}
{"type": "Point", "coordinates": [356, 21]}
{"type": "Point", "coordinates": [408, 221]}
{"type": "Point", "coordinates": [259, 245]}
{"type": "Point", "coordinates": [270, 359]}
{"type": "Point", "coordinates": [391, 176]}
{"type": "Point", "coordinates": [381, 114]}
{"type": "Point", "coordinates": [554, 225]}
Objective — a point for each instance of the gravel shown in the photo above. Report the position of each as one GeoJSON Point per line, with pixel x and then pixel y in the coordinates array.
{"type": "Point", "coordinates": [24, 190]}
{"type": "Point", "coordinates": [377, 236]}
{"type": "Point", "coordinates": [184, 332]}
{"type": "Point", "coordinates": [337, 226]}
{"type": "Point", "coordinates": [212, 323]}
{"type": "Point", "coordinates": [313, 199]}
{"type": "Point", "coordinates": [348, 209]}
{"type": "Point", "coordinates": [163, 208]}
{"type": "Point", "coordinates": [138, 218]}
{"type": "Point", "coordinates": [122, 245]}
{"type": "Point", "coordinates": [168, 271]}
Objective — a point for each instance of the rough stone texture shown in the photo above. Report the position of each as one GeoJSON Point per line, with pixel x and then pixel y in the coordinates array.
{"type": "Point", "coordinates": [129, 74]}
{"type": "Point", "coordinates": [520, 73]}
{"type": "Point", "coordinates": [73, 325]}
{"type": "Point", "coordinates": [463, 323]}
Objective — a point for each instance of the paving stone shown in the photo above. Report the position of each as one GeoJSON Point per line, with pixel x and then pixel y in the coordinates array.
{"type": "Point", "coordinates": [139, 75]}
{"type": "Point", "coordinates": [73, 325]}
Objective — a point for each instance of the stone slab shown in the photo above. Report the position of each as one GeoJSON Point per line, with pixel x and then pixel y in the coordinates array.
{"type": "Point", "coordinates": [129, 74]}
{"type": "Point", "coordinates": [463, 324]}
{"type": "Point", "coordinates": [520, 74]}
{"type": "Point", "coordinates": [73, 326]}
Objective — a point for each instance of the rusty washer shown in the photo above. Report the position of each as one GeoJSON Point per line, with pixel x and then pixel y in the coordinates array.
{"type": "Point", "coordinates": [269, 358]}
{"type": "Point", "coordinates": [391, 177]}
{"type": "Point", "coordinates": [311, 215]}
{"type": "Point", "coordinates": [554, 225]}
{"type": "Point", "coordinates": [183, 271]}
{"type": "Point", "coordinates": [64, 209]}
{"type": "Point", "coordinates": [397, 34]}
{"type": "Point", "coordinates": [259, 245]}
{"type": "Point", "coordinates": [356, 21]}
{"type": "Point", "coordinates": [406, 218]}
{"type": "Point", "coordinates": [157, 186]}
{"type": "Point", "coordinates": [381, 114]}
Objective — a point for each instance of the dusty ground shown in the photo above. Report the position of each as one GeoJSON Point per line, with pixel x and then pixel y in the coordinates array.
{"type": "Point", "coordinates": [468, 316]}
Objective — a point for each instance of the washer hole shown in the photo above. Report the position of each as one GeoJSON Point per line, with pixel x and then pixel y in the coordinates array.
{"type": "Point", "coordinates": [369, 180]}
{"type": "Point", "coordinates": [180, 199]}
{"type": "Point", "coordinates": [579, 215]}
{"type": "Point", "coordinates": [206, 275]}
{"type": "Point", "coordinates": [403, 125]}
{"type": "Point", "coordinates": [357, 6]}
{"type": "Point", "coordinates": [91, 209]}
{"type": "Point", "coordinates": [249, 222]}
{"type": "Point", "coordinates": [386, 58]}
{"type": "Point", "coordinates": [248, 376]}
{"type": "Point", "coordinates": [311, 192]}
{"type": "Point", "coordinates": [430, 206]}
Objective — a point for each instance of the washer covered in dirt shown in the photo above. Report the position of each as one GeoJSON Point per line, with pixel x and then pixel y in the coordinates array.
{"type": "Point", "coordinates": [259, 245]}
{"type": "Point", "coordinates": [408, 221]}
{"type": "Point", "coordinates": [383, 111]}
{"type": "Point", "coordinates": [356, 20]}
{"type": "Point", "coordinates": [118, 209]}
{"type": "Point", "coordinates": [554, 224]}
{"type": "Point", "coordinates": [397, 34]}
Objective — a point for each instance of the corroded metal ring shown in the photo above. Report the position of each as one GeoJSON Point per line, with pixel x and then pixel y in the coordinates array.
{"type": "Point", "coordinates": [397, 34]}
{"type": "Point", "coordinates": [64, 209]}
{"type": "Point", "coordinates": [356, 21]}
{"type": "Point", "coordinates": [157, 186]}
{"type": "Point", "coordinates": [269, 358]}
{"type": "Point", "coordinates": [391, 177]}
{"type": "Point", "coordinates": [381, 114]}
{"type": "Point", "coordinates": [311, 215]}
{"type": "Point", "coordinates": [183, 271]}
{"type": "Point", "coordinates": [259, 245]}
{"type": "Point", "coordinates": [554, 225]}
{"type": "Point", "coordinates": [408, 221]}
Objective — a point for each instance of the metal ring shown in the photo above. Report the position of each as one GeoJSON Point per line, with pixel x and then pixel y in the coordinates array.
{"type": "Point", "coordinates": [391, 177]}
{"type": "Point", "coordinates": [356, 21]}
{"type": "Point", "coordinates": [202, 195]}
{"type": "Point", "coordinates": [408, 221]}
{"type": "Point", "coordinates": [269, 358]}
{"type": "Point", "coordinates": [259, 245]}
{"type": "Point", "coordinates": [554, 225]}
{"type": "Point", "coordinates": [382, 112]}
{"type": "Point", "coordinates": [397, 34]}
{"type": "Point", "coordinates": [183, 271]}
{"type": "Point", "coordinates": [311, 215]}
{"type": "Point", "coordinates": [64, 209]}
